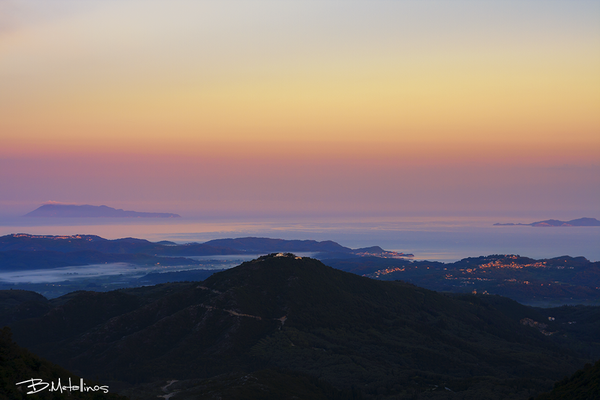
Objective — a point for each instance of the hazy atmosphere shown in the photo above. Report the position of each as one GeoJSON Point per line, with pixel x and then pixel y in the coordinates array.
{"type": "Point", "coordinates": [297, 199]}
{"type": "Point", "coordinates": [331, 108]}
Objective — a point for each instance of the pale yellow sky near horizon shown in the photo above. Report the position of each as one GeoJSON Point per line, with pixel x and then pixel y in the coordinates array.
{"type": "Point", "coordinates": [184, 86]}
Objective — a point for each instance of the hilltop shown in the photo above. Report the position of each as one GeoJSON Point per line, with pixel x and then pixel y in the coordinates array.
{"type": "Point", "coordinates": [287, 324]}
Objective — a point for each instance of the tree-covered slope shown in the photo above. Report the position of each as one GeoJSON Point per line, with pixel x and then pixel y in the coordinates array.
{"type": "Point", "coordinates": [285, 313]}
{"type": "Point", "coordinates": [18, 365]}
{"type": "Point", "coordinates": [582, 385]}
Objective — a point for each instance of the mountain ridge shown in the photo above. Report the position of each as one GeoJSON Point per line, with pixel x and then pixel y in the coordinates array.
{"type": "Point", "coordinates": [245, 245]}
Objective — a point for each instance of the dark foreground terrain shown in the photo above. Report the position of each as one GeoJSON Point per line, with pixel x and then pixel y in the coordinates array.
{"type": "Point", "coordinates": [45, 379]}
{"type": "Point", "coordinates": [582, 385]}
{"type": "Point", "coordinates": [288, 327]}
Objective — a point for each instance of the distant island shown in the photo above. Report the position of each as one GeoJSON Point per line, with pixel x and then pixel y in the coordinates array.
{"type": "Point", "coordinates": [555, 222]}
{"type": "Point", "coordinates": [87, 211]}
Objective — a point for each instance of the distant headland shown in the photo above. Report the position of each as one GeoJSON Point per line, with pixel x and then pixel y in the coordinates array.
{"type": "Point", "coordinates": [87, 211]}
{"type": "Point", "coordinates": [555, 222]}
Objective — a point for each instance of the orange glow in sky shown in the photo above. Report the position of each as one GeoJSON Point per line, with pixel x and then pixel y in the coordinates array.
{"type": "Point", "coordinates": [315, 99]}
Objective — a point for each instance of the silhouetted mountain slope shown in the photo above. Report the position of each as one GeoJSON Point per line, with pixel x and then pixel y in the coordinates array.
{"type": "Point", "coordinates": [87, 211]}
{"type": "Point", "coordinates": [582, 385]}
{"type": "Point", "coordinates": [295, 314]}
{"type": "Point", "coordinates": [21, 304]}
{"type": "Point", "coordinates": [268, 384]}
{"type": "Point", "coordinates": [18, 365]}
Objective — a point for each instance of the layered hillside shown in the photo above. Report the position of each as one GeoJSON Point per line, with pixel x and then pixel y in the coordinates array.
{"type": "Point", "coordinates": [582, 385]}
{"type": "Point", "coordinates": [18, 367]}
{"type": "Point", "coordinates": [284, 318]}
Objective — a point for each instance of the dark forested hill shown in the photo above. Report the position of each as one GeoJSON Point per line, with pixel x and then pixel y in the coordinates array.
{"type": "Point", "coordinates": [18, 365]}
{"type": "Point", "coordinates": [582, 385]}
{"type": "Point", "coordinates": [282, 320]}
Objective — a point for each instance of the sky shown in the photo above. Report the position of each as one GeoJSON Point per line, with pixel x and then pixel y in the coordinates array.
{"type": "Point", "coordinates": [297, 108]}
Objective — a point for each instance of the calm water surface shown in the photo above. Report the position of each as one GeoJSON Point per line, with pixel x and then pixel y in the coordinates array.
{"type": "Point", "coordinates": [441, 239]}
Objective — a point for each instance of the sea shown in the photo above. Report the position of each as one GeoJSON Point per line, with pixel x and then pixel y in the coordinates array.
{"type": "Point", "coordinates": [445, 239]}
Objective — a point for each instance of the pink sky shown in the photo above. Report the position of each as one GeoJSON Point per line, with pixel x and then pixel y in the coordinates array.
{"type": "Point", "coordinates": [281, 108]}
